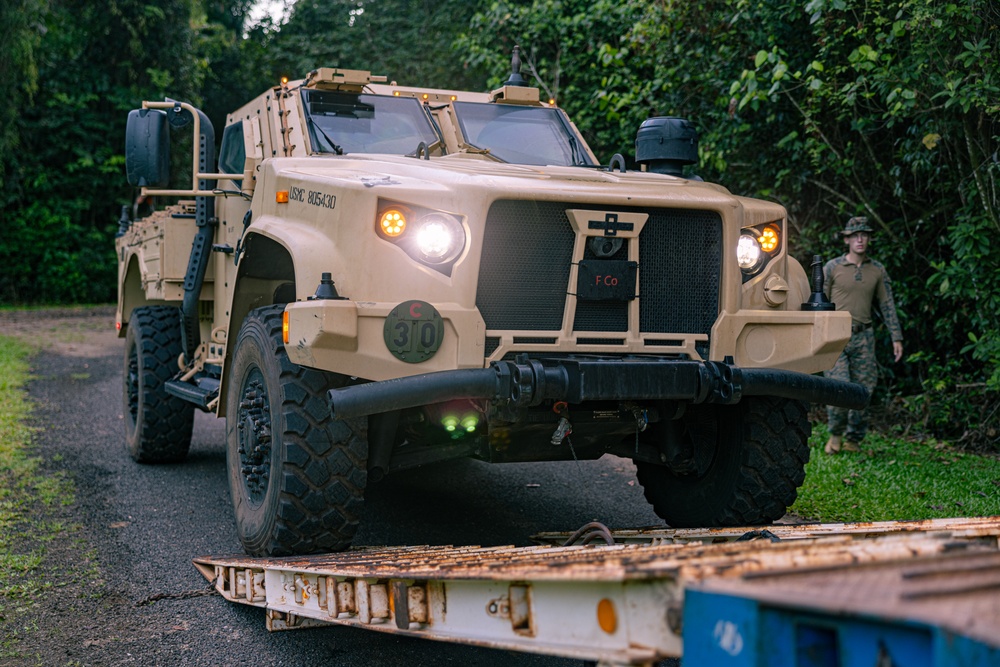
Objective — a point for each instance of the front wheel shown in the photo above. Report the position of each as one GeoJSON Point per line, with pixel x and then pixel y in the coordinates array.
{"type": "Point", "coordinates": [296, 476]}
{"type": "Point", "coordinates": [157, 425]}
{"type": "Point", "coordinates": [746, 465]}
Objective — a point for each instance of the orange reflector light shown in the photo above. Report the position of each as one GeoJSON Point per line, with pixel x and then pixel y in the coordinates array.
{"type": "Point", "coordinates": [426, 96]}
{"type": "Point", "coordinates": [284, 80]}
{"type": "Point", "coordinates": [552, 101]}
{"type": "Point", "coordinates": [284, 327]}
{"type": "Point", "coordinates": [281, 196]}
{"type": "Point", "coordinates": [454, 97]}
{"type": "Point", "coordinates": [768, 239]}
{"type": "Point", "coordinates": [392, 223]}
{"type": "Point", "coordinates": [606, 616]}
{"type": "Point", "coordinates": [395, 93]}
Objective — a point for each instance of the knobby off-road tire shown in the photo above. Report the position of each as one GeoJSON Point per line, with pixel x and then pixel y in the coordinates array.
{"type": "Point", "coordinates": [758, 448]}
{"type": "Point", "coordinates": [297, 477]}
{"type": "Point", "coordinates": [157, 425]}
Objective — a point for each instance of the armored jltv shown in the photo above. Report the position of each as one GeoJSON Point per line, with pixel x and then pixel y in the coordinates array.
{"type": "Point", "coordinates": [377, 277]}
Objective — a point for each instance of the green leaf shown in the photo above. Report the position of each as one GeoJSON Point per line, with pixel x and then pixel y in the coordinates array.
{"type": "Point", "coordinates": [760, 59]}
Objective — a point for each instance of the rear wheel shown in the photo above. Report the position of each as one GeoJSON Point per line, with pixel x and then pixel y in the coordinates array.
{"type": "Point", "coordinates": [157, 425]}
{"type": "Point", "coordinates": [297, 477]}
{"type": "Point", "coordinates": [746, 464]}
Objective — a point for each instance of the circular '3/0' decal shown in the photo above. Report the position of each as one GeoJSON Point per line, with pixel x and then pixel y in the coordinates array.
{"type": "Point", "coordinates": [413, 331]}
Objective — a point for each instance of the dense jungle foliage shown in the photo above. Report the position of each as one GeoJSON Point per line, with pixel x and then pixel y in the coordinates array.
{"type": "Point", "coordinates": [833, 108]}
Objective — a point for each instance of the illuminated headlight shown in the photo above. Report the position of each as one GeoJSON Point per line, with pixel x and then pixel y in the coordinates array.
{"type": "Point", "coordinates": [748, 254]}
{"type": "Point", "coordinates": [434, 238]}
{"type": "Point", "coordinates": [439, 238]}
{"type": "Point", "coordinates": [757, 246]}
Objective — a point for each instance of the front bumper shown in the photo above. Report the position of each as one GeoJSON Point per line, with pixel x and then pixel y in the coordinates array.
{"type": "Point", "coordinates": [530, 381]}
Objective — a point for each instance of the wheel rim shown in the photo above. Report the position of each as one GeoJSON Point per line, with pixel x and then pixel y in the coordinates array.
{"type": "Point", "coordinates": [254, 433]}
{"type": "Point", "coordinates": [132, 386]}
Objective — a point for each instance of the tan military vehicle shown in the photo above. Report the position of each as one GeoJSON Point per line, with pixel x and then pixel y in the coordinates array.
{"type": "Point", "coordinates": [375, 277]}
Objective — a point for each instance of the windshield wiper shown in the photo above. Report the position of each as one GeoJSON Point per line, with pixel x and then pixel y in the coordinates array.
{"type": "Point", "coordinates": [484, 151]}
{"type": "Point", "coordinates": [336, 147]}
{"type": "Point", "coordinates": [579, 158]}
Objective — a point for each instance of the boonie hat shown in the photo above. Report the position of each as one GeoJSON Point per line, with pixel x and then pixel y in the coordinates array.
{"type": "Point", "coordinates": [856, 224]}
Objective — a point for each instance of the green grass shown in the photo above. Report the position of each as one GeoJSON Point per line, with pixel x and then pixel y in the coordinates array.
{"type": "Point", "coordinates": [28, 494]}
{"type": "Point", "coordinates": [893, 479]}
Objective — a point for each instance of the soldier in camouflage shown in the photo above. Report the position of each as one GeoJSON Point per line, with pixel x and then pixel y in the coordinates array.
{"type": "Point", "coordinates": [854, 281]}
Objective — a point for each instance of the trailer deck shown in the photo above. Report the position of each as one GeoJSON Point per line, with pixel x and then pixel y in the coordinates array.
{"type": "Point", "coordinates": [854, 593]}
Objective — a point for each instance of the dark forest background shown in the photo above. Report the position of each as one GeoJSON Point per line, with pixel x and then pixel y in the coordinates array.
{"type": "Point", "coordinates": [833, 108]}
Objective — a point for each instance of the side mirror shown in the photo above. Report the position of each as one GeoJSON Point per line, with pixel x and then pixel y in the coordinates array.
{"type": "Point", "coordinates": [147, 148]}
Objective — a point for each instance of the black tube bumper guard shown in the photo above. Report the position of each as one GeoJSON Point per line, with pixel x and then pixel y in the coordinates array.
{"type": "Point", "coordinates": [528, 382]}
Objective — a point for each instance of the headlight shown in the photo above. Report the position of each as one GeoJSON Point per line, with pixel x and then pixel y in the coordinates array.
{"type": "Point", "coordinates": [758, 246]}
{"type": "Point", "coordinates": [439, 238]}
{"type": "Point", "coordinates": [433, 238]}
{"type": "Point", "coordinates": [748, 254]}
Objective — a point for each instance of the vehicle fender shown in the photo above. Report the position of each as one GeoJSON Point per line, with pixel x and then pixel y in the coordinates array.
{"type": "Point", "coordinates": [798, 285]}
{"type": "Point", "coordinates": [132, 293]}
{"type": "Point", "coordinates": [276, 253]}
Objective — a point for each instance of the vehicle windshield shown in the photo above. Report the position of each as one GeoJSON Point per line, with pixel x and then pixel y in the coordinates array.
{"type": "Point", "coordinates": [348, 123]}
{"type": "Point", "coordinates": [521, 134]}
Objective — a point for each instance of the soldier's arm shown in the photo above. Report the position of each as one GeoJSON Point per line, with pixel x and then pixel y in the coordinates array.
{"type": "Point", "coordinates": [887, 306]}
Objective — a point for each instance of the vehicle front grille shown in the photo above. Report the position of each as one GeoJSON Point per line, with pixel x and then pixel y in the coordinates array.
{"type": "Point", "coordinates": [525, 266]}
{"type": "Point", "coordinates": [527, 250]}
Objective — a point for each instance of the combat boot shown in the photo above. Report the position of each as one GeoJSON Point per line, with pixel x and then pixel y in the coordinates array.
{"type": "Point", "coordinates": [832, 445]}
{"type": "Point", "coordinates": [849, 446]}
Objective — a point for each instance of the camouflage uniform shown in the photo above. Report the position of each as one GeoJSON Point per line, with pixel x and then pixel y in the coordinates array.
{"type": "Point", "coordinates": [855, 364]}
{"type": "Point", "coordinates": [854, 288]}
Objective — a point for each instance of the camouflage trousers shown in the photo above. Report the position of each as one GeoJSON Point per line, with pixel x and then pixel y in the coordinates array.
{"type": "Point", "coordinates": [855, 364]}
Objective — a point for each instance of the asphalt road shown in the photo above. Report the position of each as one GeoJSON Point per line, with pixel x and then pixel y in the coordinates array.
{"type": "Point", "coordinates": [141, 525]}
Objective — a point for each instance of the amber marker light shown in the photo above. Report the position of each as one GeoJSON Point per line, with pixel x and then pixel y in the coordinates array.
{"type": "Point", "coordinates": [768, 239]}
{"type": "Point", "coordinates": [606, 616]}
{"type": "Point", "coordinates": [284, 327]}
{"type": "Point", "coordinates": [392, 223]}
{"type": "Point", "coordinates": [281, 196]}
{"type": "Point", "coordinates": [426, 96]}
{"type": "Point", "coordinates": [284, 80]}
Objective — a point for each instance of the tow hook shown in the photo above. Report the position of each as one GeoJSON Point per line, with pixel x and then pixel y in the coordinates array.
{"type": "Point", "coordinates": [641, 422]}
{"type": "Point", "coordinates": [641, 415]}
{"type": "Point", "coordinates": [563, 428]}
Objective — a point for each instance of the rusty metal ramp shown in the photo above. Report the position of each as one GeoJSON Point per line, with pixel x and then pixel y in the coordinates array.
{"type": "Point", "coordinates": [958, 527]}
{"type": "Point", "coordinates": [615, 603]}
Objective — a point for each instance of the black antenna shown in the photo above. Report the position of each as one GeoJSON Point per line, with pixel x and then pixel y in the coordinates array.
{"type": "Point", "coordinates": [817, 300]}
{"type": "Point", "coordinates": [515, 70]}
